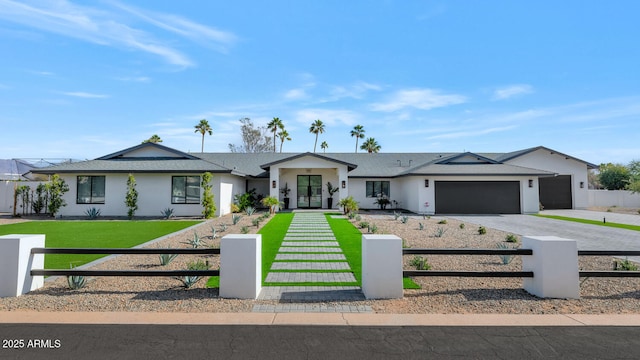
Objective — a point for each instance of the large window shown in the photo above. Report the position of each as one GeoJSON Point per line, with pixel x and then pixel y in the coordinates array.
{"type": "Point", "coordinates": [378, 188]}
{"type": "Point", "coordinates": [185, 190]}
{"type": "Point", "coordinates": [90, 190]}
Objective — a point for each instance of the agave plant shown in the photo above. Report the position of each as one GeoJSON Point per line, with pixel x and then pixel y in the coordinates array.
{"type": "Point", "coordinates": [196, 242]}
{"type": "Point", "coordinates": [250, 210]}
{"type": "Point", "coordinates": [167, 213]}
{"type": "Point", "coordinates": [506, 259]}
{"type": "Point", "coordinates": [166, 259]}
{"type": "Point", "coordinates": [189, 281]}
{"type": "Point", "coordinates": [92, 213]}
{"type": "Point", "coordinates": [235, 218]}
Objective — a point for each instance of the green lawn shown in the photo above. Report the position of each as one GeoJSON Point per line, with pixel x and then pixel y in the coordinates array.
{"type": "Point", "coordinates": [592, 222]}
{"type": "Point", "coordinates": [273, 234]}
{"type": "Point", "coordinates": [92, 234]}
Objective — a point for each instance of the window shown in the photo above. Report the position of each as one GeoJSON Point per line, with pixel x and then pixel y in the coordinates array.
{"type": "Point", "coordinates": [375, 188]}
{"type": "Point", "coordinates": [185, 190]}
{"type": "Point", "coordinates": [90, 190]}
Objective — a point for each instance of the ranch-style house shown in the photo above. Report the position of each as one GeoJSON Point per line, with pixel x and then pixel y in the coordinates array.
{"type": "Point", "coordinates": [518, 182]}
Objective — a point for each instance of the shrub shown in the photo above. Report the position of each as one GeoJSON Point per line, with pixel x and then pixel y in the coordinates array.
{"type": "Point", "coordinates": [373, 228]}
{"type": "Point", "coordinates": [511, 238]}
{"type": "Point", "coordinates": [245, 200]}
{"type": "Point", "coordinates": [420, 226]}
{"type": "Point", "coordinates": [196, 242]}
{"type": "Point", "coordinates": [272, 203]}
{"type": "Point", "coordinates": [235, 208]}
{"type": "Point", "coordinates": [439, 232]}
{"type": "Point", "coordinates": [189, 281]}
{"type": "Point", "coordinates": [363, 225]}
{"type": "Point", "coordinates": [405, 219]}
{"type": "Point", "coordinates": [56, 188]}
{"type": "Point", "coordinates": [624, 265]}
{"type": "Point", "coordinates": [214, 232]}
{"type": "Point", "coordinates": [462, 226]}
{"type": "Point", "coordinates": [235, 219]}
{"type": "Point", "coordinates": [76, 282]}
{"type": "Point", "coordinates": [131, 197]}
{"type": "Point", "coordinates": [443, 221]}
{"type": "Point", "coordinates": [256, 222]}
{"type": "Point", "coordinates": [349, 204]}
{"type": "Point", "coordinates": [208, 203]}
{"type": "Point", "coordinates": [396, 215]}
{"type": "Point", "coordinates": [506, 259]}
{"type": "Point", "coordinates": [244, 229]}
{"type": "Point", "coordinates": [223, 228]}
{"type": "Point", "coordinates": [167, 213]}
{"type": "Point", "coordinates": [358, 217]}
{"type": "Point", "coordinates": [352, 215]}
{"type": "Point", "coordinates": [93, 213]}
{"type": "Point", "coordinates": [249, 210]}
{"type": "Point", "coordinates": [482, 230]}
{"type": "Point", "coordinates": [420, 263]}
{"type": "Point", "coordinates": [166, 259]}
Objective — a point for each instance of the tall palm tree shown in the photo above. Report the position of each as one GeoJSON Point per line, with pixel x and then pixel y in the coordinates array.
{"type": "Point", "coordinates": [203, 128]}
{"type": "Point", "coordinates": [358, 132]}
{"type": "Point", "coordinates": [371, 145]}
{"type": "Point", "coordinates": [273, 126]}
{"type": "Point", "coordinates": [317, 127]}
{"type": "Point", "coordinates": [283, 135]}
{"type": "Point", "coordinates": [324, 146]}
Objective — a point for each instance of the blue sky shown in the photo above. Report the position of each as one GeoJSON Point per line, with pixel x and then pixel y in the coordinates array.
{"type": "Point", "coordinates": [81, 79]}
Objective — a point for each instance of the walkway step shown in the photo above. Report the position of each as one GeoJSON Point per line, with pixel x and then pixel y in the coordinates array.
{"type": "Point", "coordinates": [320, 257]}
{"type": "Point", "coordinates": [311, 308]}
{"type": "Point", "coordinates": [284, 277]}
{"type": "Point", "coordinates": [310, 243]}
{"type": "Point", "coordinates": [310, 266]}
{"type": "Point", "coordinates": [312, 293]}
{"type": "Point", "coordinates": [299, 249]}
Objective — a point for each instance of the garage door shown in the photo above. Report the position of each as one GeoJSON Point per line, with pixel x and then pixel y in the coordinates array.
{"type": "Point", "coordinates": [555, 192]}
{"type": "Point", "coordinates": [478, 197]}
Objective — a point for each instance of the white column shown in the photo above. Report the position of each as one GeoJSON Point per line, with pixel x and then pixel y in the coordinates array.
{"type": "Point", "coordinates": [241, 266]}
{"type": "Point", "coordinates": [382, 267]}
{"type": "Point", "coordinates": [555, 267]}
{"type": "Point", "coordinates": [16, 263]}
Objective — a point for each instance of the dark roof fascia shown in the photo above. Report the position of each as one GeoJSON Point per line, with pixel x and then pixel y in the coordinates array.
{"type": "Point", "coordinates": [117, 154]}
{"type": "Point", "coordinates": [479, 175]}
{"type": "Point", "coordinates": [530, 150]}
{"type": "Point", "coordinates": [51, 172]}
{"type": "Point", "coordinates": [461, 155]}
{"type": "Point", "coordinates": [297, 156]}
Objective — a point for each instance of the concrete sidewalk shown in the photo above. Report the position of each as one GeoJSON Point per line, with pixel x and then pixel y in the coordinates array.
{"type": "Point", "coordinates": [318, 319]}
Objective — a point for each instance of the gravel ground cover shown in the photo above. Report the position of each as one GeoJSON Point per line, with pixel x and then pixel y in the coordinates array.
{"type": "Point", "coordinates": [438, 295]}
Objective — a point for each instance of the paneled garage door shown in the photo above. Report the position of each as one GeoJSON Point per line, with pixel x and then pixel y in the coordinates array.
{"type": "Point", "coordinates": [555, 192]}
{"type": "Point", "coordinates": [477, 197]}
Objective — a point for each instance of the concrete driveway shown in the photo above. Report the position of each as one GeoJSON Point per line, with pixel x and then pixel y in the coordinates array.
{"type": "Point", "coordinates": [589, 237]}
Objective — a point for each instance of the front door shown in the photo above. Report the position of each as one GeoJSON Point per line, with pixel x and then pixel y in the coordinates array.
{"type": "Point", "coordinates": [309, 191]}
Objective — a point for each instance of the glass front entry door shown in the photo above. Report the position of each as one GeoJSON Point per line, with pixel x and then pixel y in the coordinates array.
{"type": "Point", "coordinates": [309, 191]}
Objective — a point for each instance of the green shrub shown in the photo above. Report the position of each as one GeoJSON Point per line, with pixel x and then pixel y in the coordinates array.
{"type": "Point", "coordinates": [511, 238]}
{"type": "Point", "coordinates": [244, 229]}
{"type": "Point", "coordinates": [363, 225]}
{"type": "Point", "coordinates": [76, 282]}
{"type": "Point", "coordinates": [506, 259]}
{"type": "Point", "coordinates": [167, 213]}
{"type": "Point", "coordinates": [131, 197]}
{"type": "Point", "coordinates": [256, 222]}
{"type": "Point", "coordinates": [443, 221]}
{"type": "Point", "coordinates": [482, 230]}
{"type": "Point", "coordinates": [235, 219]}
{"type": "Point", "coordinates": [249, 210]}
{"type": "Point", "coordinates": [166, 259]}
{"type": "Point", "coordinates": [358, 218]}
{"type": "Point", "coordinates": [208, 201]}
{"type": "Point", "coordinates": [440, 232]}
{"type": "Point", "coordinates": [245, 200]}
{"type": "Point", "coordinates": [404, 220]}
{"type": "Point", "coordinates": [420, 226]}
{"type": "Point", "coordinates": [93, 213]}
{"type": "Point", "coordinates": [223, 228]}
{"type": "Point", "coordinates": [624, 265]}
{"type": "Point", "coordinates": [349, 204]}
{"type": "Point", "coordinates": [373, 228]}
{"type": "Point", "coordinates": [462, 226]}
{"type": "Point", "coordinates": [420, 263]}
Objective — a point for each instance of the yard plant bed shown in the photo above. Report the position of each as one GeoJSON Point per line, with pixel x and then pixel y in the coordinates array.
{"type": "Point", "coordinates": [437, 295]}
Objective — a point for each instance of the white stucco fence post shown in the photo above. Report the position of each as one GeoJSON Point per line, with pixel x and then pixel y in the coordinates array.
{"type": "Point", "coordinates": [16, 262]}
{"type": "Point", "coordinates": [382, 267]}
{"type": "Point", "coordinates": [241, 266]}
{"type": "Point", "coordinates": [555, 267]}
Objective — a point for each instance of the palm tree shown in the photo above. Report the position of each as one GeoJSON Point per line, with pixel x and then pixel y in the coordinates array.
{"type": "Point", "coordinates": [153, 139]}
{"type": "Point", "coordinates": [371, 145]}
{"type": "Point", "coordinates": [316, 128]}
{"type": "Point", "coordinates": [203, 128]}
{"type": "Point", "coordinates": [283, 135]}
{"type": "Point", "coordinates": [324, 146]}
{"type": "Point", "coordinates": [273, 126]}
{"type": "Point", "coordinates": [358, 132]}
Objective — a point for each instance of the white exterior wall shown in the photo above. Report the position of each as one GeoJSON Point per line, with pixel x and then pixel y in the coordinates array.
{"type": "Point", "coordinates": [546, 160]}
{"type": "Point", "coordinates": [7, 194]}
{"type": "Point", "coordinates": [620, 198]}
{"type": "Point", "coordinates": [229, 187]}
{"type": "Point", "coordinates": [287, 173]}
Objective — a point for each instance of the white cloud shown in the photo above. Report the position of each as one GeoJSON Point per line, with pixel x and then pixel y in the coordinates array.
{"type": "Point", "coordinates": [328, 117]}
{"type": "Point", "coordinates": [142, 79]}
{"type": "Point", "coordinates": [423, 99]}
{"type": "Point", "coordinates": [87, 95]}
{"type": "Point", "coordinates": [469, 133]}
{"type": "Point", "coordinates": [511, 91]}
{"type": "Point", "coordinates": [295, 94]}
{"type": "Point", "coordinates": [355, 91]}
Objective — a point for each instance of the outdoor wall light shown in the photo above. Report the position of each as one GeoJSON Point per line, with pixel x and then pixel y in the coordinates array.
{"type": "Point", "coordinates": [581, 184]}
{"type": "Point", "coordinates": [530, 183]}
{"type": "Point", "coordinates": [344, 184]}
{"type": "Point", "coordinates": [426, 182]}
{"type": "Point", "coordinates": [273, 184]}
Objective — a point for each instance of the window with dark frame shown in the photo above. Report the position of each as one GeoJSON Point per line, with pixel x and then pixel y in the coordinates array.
{"type": "Point", "coordinates": [185, 189]}
{"type": "Point", "coordinates": [90, 190]}
{"type": "Point", "coordinates": [377, 188]}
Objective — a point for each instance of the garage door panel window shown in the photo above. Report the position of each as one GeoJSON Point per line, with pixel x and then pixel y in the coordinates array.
{"type": "Point", "coordinates": [185, 190]}
{"type": "Point", "coordinates": [378, 188]}
{"type": "Point", "coordinates": [90, 190]}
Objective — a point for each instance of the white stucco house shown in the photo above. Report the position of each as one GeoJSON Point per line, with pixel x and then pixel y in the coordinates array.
{"type": "Point", "coordinates": [435, 183]}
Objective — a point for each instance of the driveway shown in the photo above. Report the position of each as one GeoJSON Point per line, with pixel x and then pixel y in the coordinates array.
{"type": "Point", "coordinates": [589, 237]}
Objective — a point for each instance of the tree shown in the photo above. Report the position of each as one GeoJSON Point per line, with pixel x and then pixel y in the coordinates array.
{"type": "Point", "coordinates": [324, 146]}
{"type": "Point", "coordinates": [153, 139]}
{"type": "Point", "coordinates": [284, 136]}
{"type": "Point", "coordinates": [203, 128]}
{"type": "Point", "coordinates": [358, 132]}
{"type": "Point", "coordinates": [254, 140]}
{"type": "Point", "coordinates": [370, 145]}
{"type": "Point", "coordinates": [614, 176]}
{"type": "Point", "coordinates": [273, 126]}
{"type": "Point", "coordinates": [208, 204]}
{"type": "Point", "coordinates": [131, 198]}
{"type": "Point", "coordinates": [56, 189]}
{"type": "Point", "coordinates": [634, 171]}
{"type": "Point", "coordinates": [317, 127]}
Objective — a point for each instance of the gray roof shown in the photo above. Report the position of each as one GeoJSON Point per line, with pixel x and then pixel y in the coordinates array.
{"type": "Point", "coordinates": [376, 165]}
